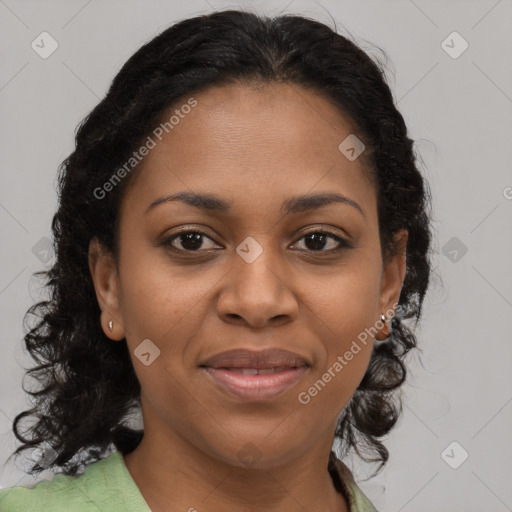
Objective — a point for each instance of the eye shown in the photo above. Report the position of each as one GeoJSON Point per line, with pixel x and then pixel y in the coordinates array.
{"type": "Point", "coordinates": [318, 240]}
{"type": "Point", "coordinates": [315, 241]}
{"type": "Point", "coordinates": [191, 241]}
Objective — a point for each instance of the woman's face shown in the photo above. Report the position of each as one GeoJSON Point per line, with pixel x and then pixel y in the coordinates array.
{"type": "Point", "coordinates": [252, 280]}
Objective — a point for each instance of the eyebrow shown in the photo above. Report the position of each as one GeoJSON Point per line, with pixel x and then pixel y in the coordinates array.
{"type": "Point", "coordinates": [297, 204]}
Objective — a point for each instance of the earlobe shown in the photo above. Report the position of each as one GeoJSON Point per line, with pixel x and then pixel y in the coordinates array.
{"type": "Point", "coordinates": [106, 285]}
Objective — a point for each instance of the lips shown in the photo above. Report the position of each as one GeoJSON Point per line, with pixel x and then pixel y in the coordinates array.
{"type": "Point", "coordinates": [255, 376]}
{"type": "Point", "coordinates": [239, 359]}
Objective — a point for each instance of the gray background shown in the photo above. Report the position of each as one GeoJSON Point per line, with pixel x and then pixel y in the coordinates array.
{"type": "Point", "coordinates": [459, 112]}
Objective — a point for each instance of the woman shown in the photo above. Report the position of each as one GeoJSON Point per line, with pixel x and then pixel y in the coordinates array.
{"type": "Point", "coordinates": [242, 231]}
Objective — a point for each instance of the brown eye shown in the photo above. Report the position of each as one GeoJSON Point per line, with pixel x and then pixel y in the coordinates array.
{"type": "Point", "coordinates": [316, 241]}
{"type": "Point", "coordinates": [191, 241]}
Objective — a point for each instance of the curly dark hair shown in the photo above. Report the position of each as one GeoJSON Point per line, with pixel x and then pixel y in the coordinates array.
{"type": "Point", "coordinates": [87, 386]}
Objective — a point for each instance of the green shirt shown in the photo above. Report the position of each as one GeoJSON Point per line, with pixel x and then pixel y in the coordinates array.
{"type": "Point", "coordinates": [107, 486]}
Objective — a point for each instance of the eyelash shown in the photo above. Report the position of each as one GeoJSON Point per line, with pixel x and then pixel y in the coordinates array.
{"type": "Point", "coordinates": [343, 243]}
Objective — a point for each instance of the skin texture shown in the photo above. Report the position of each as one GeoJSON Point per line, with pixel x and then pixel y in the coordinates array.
{"type": "Point", "coordinates": [254, 146]}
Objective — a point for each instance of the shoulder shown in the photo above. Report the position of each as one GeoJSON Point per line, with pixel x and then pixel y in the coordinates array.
{"type": "Point", "coordinates": [105, 485]}
{"type": "Point", "coordinates": [57, 494]}
{"type": "Point", "coordinates": [358, 502]}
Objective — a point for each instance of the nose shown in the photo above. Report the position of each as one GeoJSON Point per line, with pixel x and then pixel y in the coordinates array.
{"type": "Point", "coordinates": [257, 294]}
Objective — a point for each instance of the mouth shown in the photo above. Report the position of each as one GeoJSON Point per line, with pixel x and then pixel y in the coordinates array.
{"type": "Point", "coordinates": [255, 384]}
{"type": "Point", "coordinates": [255, 376]}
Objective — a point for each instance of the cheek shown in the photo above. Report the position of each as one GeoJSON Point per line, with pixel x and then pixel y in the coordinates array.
{"type": "Point", "coordinates": [343, 312]}
{"type": "Point", "coordinates": [160, 300]}
{"type": "Point", "coordinates": [345, 304]}
{"type": "Point", "coordinates": [162, 304]}
{"type": "Point", "coordinates": [165, 305]}
{"type": "Point", "coordinates": [332, 387]}
{"type": "Point", "coordinates": [346, 347]}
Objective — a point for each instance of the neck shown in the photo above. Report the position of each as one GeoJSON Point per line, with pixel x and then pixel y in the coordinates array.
{"type": "Point", "coordinates": [191, 480]}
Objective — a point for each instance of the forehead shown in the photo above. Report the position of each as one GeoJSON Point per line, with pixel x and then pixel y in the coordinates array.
{"type": "Point", "coordinates": [255, 143]}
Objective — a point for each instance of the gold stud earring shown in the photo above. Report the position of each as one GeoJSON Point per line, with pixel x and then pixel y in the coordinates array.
{"type": "Point", "coordinates": [385, 332]}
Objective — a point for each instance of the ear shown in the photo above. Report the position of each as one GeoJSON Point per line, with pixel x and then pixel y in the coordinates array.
{"type": "Point", "coordinates": [106, 284]}
{"type": "Point", "coordinates": [393, 274]}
